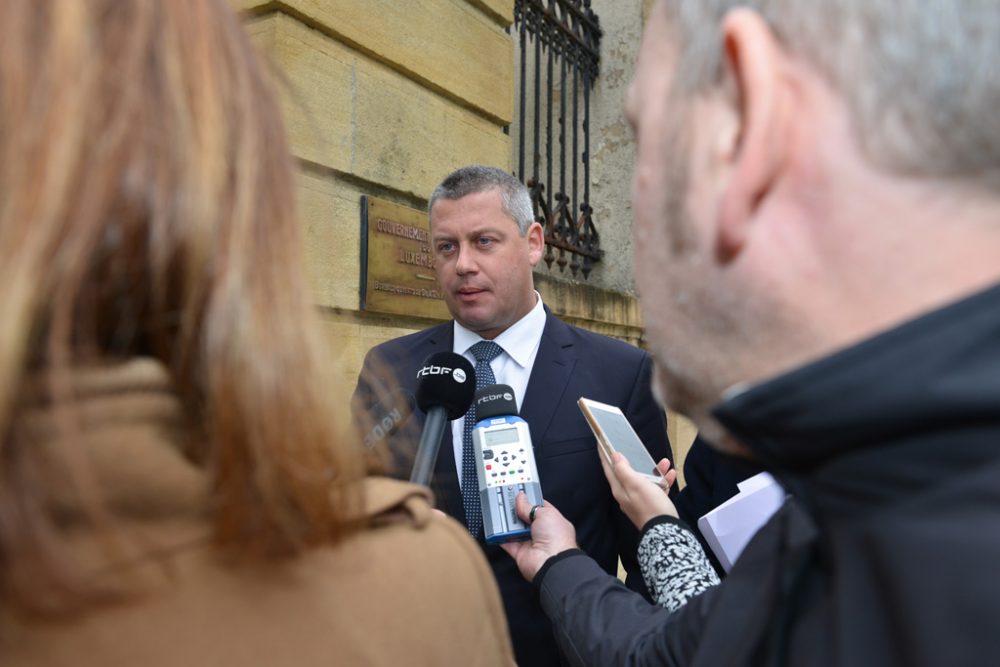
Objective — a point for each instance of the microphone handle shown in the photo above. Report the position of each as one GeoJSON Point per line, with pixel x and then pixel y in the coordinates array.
{"type": "Point", "coordinates": [430, 443]}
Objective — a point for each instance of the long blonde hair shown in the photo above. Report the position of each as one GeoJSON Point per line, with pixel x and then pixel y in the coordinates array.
{"type": "Point", "coordinates": [147, 208]}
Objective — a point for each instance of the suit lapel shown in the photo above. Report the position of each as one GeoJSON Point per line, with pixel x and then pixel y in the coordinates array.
{"type": "Point", "coordinates": [549, 377]}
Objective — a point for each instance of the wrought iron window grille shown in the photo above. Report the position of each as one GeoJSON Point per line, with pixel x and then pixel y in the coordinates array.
{"type": "Point", "coordinates": [565, 38]}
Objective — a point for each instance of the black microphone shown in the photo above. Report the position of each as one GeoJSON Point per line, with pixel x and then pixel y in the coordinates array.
{"type": "Point", "coordinates": [445, 386]}
{"type": "Point", "coordinates": [389, 414]}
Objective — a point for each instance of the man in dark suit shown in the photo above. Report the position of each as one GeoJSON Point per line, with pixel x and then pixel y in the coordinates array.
{"type": "Point", "coordinates": [486, 242]}
{"type": "Point", "coordinates": [712, 477]}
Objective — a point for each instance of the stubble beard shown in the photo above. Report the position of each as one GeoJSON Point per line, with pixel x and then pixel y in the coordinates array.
{"type": "Point", "coordinates": [694, 325]}
{"type": "Point", "coordinates": [709, 328]}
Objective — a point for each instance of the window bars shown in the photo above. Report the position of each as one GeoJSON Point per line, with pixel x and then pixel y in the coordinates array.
{"type": "Point", "coordinates": [564, 54]}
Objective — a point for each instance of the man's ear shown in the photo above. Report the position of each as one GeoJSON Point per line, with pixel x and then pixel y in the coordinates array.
{"type": "Point", "coordinates": [753, 79]}
{"type": "Point", "coordinates": [536, 243]}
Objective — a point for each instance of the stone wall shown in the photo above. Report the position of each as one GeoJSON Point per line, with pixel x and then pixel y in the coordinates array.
{"type": "Point", "coordinates": [381, 98]}
{"type": "Point", "coordinates": [384, 98]}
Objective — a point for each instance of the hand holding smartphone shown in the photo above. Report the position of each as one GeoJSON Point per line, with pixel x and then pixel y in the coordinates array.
{"type": "Point", "coordinates": [615, 434]}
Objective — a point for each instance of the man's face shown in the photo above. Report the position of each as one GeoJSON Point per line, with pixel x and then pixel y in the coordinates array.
{"type": "Point", "coordinates": [729, 183]}
{"type": "Point", "coordinates": [695, 319]}
{"type": "Point", "coordinates": [483, 264]}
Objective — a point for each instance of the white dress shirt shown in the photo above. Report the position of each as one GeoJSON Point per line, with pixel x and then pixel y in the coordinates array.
{"type": "Point", "coordinates": [511, 367]}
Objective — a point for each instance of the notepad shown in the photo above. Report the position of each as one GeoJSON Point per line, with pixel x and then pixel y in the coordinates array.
{"type": "Point", "coordinates": [729, 527]}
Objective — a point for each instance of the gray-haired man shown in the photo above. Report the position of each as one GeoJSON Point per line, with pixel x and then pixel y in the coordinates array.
{"type": "Point", "coordinates": [818, 247]}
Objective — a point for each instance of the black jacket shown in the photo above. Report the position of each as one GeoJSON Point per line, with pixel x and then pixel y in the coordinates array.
{"type": "Point", "coordinates": [887, 554]}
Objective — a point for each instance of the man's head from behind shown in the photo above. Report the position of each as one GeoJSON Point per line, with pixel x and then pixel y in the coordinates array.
{"type": "Point", "coordinates": [789, 152]}
{"type": "Point", "coordinates": [485, 243]}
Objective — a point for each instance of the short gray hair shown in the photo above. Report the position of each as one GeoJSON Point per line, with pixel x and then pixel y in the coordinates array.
{"type": "Point", "coordinates": [918, 74]}
{"type": "Point", "coordinates": [514, 197]}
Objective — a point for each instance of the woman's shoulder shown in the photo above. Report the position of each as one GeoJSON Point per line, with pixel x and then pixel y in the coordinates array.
{"type": "Point", "coordinates": [401, 515]}
{"type": "Point", "coordinates": [421, 572]}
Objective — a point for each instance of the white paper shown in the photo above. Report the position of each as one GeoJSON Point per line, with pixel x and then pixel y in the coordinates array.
{"type": "Point", "coordinates": [729, 527]}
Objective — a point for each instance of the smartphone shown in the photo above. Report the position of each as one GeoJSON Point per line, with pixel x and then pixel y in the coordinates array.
{"type": "Point", "coordinates": [615, 434]}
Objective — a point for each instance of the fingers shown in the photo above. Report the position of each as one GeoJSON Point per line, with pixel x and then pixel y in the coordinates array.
{"type": "Point", "coordinates": [663, 466]}
{"type": "Point", "coordinates": [623, 470]}
{"type": "Point", "coordinates": [551, 534]}
{"type": "Point", "coordinates": [620, 462]}
{"type": "Point", "coordinates": [523, 507]}
{"type": "Point", "coordinates": [669, 474]}
{"type": "Point", "coordinates": [514, 548]}
{"type": "Point", "coordinates": [609, 473]}
{"type": "Point", "coordinates": [525, 510]}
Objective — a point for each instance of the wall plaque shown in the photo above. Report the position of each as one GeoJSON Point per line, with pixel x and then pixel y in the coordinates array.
{"type": "Point", "coordinates": [397, 264]}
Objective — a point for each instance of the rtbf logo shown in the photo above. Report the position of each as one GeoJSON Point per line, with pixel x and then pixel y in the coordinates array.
{"type": "Point", "coordinates": [507, 396]}
{"type": "Point", "coordinates": [457, 373]}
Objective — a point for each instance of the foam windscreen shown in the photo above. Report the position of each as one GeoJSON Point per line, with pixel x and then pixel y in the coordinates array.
{"type": "Point", "coordinates": [446, 380]}
{"type": "Point", "coordinates": [495, 400]}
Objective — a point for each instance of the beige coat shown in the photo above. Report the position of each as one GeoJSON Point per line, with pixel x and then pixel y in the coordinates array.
{"type": "Point", "coordinates": [414, 589]}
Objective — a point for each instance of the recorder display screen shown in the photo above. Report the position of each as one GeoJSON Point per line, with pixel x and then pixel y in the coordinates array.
{"type": "Point", "coordinates": [505, 436]}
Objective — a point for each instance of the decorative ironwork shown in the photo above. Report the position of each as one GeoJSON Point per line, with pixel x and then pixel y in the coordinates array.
{"type": "Point", "coordinates": [563, 38]}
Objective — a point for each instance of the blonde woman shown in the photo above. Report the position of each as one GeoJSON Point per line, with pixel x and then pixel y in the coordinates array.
{"type": "Point", "coordinates": [175, 484]}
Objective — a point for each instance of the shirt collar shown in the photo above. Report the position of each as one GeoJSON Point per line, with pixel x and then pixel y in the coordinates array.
{"type": "Point", "coordinates": [519, 340]}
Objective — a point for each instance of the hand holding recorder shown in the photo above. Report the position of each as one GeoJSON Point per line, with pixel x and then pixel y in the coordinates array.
{"type": "Point", "coordinates": [551, 534]}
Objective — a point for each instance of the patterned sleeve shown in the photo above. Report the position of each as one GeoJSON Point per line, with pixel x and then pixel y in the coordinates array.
{"type": "Point", "coordinates": [673, 563]}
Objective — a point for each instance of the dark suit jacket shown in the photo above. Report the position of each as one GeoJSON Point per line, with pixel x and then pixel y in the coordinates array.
{"type": "Point", "coordinates": [712, 478]}
{"type": "Point", "coordinates": [571, 362]}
